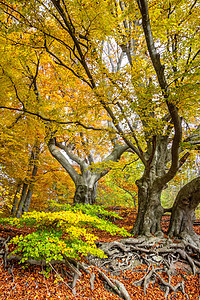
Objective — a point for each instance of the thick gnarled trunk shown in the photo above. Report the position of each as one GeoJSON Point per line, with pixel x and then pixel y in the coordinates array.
{"type": "Point", "coordinates": [153, 214]}
{"type": "Point", "coordinates": [183, 211]}
{"type": "Point", "coordinates": [150, 187]}
{"type": "Point", "coordinates": [85, 194]}
{"type": "Point", "coordinates": [150, 210]}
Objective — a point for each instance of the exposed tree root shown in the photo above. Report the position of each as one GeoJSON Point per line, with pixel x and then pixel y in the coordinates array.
{"type": "Point", "coordinates": [159, 254]}
{"type": "Point", "coordinates": [116, 285]}
{"type": "Point", "coordinates": [152, 275]}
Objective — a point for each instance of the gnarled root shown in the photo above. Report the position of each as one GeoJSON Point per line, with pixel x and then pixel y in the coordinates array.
{"type": "Point", "coordinates": [152, 275]}
{"type": "Point", "coordinates": [127, 253]}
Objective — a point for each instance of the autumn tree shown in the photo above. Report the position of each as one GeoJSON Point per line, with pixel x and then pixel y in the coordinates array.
{"type": "Point", "coordinates": [75, 145]}
{"type": "Point", "coordinates": [25, 165]}
{"type": "Point", "coordinates": [45, 91]}
{"type": "Point", "coordinates": [29, 174]}
{"type": "Point", "coordinates": [141, 62]}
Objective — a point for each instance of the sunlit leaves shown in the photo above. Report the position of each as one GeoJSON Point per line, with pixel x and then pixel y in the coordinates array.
{"type": "Point", "coordinates": [76, 228]}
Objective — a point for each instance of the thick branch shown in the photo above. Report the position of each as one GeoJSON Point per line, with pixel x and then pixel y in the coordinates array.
{"type": "Point", "coordinates": [69, 153]}
{"type": "Point", "coordinates": [78, 123]}
{"type": "Point", "coordinates": [62, 159]}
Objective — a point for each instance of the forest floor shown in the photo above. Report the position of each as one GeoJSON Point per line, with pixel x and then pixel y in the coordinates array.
{"type": "Point", "coordinates": [27, 282]}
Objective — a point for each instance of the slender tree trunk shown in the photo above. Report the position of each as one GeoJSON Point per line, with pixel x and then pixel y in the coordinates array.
{"type": "Point", "coordinates": [27, 201]}
{"type": "Point", "coordinates": [22, 200]}
{"type": "Point", "coordinates": [15, 200]}
{"type": "Point", "coordinates": [29, 194]}
{"type": "Point", "coordinates": [27, 190]}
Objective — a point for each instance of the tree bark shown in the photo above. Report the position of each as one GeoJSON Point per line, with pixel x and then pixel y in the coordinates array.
{"type": "Point", "coordinates": [29, 194]}
{"type": "Point", "coordinates": [28, 199]}
{"type": "Point", "coordinates": [22, 200]}
{"type": "Point", "coordinates": [150, 210]}
{"type": "Point", "coordinates": [27, 190]}
{"type": "Point", "coordinates": [150, 187]}
{"type": "Point", "coordinates": [183, 211]}
{"type": "Point", "coordinates": [15, 200]}
{"type": "Point", "coordinates": [85, 194]}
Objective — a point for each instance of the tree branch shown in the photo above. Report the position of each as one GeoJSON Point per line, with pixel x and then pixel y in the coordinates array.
{"type": "Point", "coordinates": [69, 153]}
{"type": "Point", "coordinates": [62, 159]}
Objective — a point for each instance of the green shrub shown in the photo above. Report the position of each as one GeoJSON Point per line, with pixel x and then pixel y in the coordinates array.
{"type": "Point", "coordinates": [61, 234]}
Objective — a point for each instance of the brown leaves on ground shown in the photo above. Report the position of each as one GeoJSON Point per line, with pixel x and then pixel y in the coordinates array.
{"type": "Point", "coordinates": [26, 282]}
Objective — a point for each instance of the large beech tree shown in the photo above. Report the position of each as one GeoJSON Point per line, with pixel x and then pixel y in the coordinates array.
{"type": "Point", "coordinates": [141, 61]}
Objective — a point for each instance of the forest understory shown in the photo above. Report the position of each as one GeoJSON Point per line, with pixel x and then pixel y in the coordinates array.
{"type": "Point", "coordinates": [135, 268]}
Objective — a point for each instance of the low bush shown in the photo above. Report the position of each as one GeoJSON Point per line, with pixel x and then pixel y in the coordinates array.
{"type": "Point", "coordinates": [61, 234]}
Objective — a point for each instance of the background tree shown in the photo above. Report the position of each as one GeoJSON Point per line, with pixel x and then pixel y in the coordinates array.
{"type": "Point", "coordinates": [86, 180]}
{"type": "Point", "coordinates": [24, 160]}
